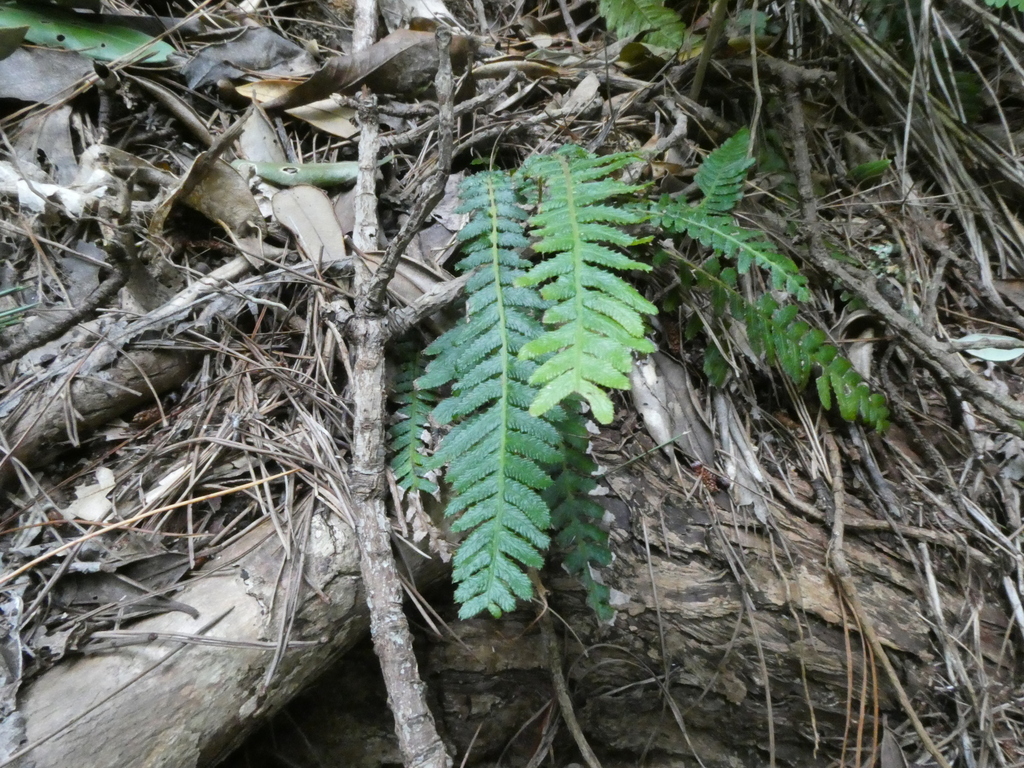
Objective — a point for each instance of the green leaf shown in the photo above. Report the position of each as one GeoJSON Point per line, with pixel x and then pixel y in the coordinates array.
{"type": "Point", "coordinates": [292, 174]}
{"type": "Point", "coordinates": [1018, 4]}
{"type": "Point", "coordinates": [85, 33]}
{"type": "Point", "coordinates": [871, 171]}
{"type": "Point", "coordinates": [595, 321]}
{"type": "Point", "coordinates": [627, 18]}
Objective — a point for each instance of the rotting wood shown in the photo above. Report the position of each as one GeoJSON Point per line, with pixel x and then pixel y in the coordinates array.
{"type": "Point", "coordinates": [494, 675]}
{"type": "Point", "coordinates": [169, 704]}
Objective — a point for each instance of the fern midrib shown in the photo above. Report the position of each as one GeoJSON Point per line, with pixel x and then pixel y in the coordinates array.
{"type": "Point", "coordinates": [577, 273]}
{"type": "Point", "coordinates": [699, 217]}
{"type": "Point", "coordinates": [495, 545]}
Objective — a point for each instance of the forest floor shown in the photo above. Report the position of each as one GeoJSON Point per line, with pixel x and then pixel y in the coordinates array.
{"type": "Point", "coordinates": [182, 230]}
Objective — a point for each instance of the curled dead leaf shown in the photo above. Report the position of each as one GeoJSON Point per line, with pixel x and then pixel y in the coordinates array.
{"type": "Point", "coordinates": [403, 64]}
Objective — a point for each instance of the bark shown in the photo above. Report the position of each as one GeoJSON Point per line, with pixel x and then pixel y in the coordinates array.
{"type": "Point", "coordinates": [368, 331]}
{"type": "Point", "coordinates": [56, 413]}
{"type": "Point", "coordinates": [392, 640]}
{"type": "Point", "coordinates": [171, 704]}
{"type": "Point", "coordinates": [762, 654]}
{"type": "Point", "coordinates": [763, 659]}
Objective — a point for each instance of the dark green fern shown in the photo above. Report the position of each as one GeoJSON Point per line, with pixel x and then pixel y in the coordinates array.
{"type": "Point", "coordinates": [774, 331]}
{"type": "Point", "coordinates": [575, 516]}
{"type": "Point", "coordinates": [496, 450]}
{"type": "Point", "coordinates": [627, 18]}
{"type": "Point", "coordinates": [410, 462]}
{"type": "Point", "coordinates": [793, 346]}
{"type": "Point", "coordinates": [511, 470]}
{"type": "Point", "coordinates": [596, 319]}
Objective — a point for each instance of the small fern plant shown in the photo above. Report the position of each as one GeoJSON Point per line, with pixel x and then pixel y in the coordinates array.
{"type": "Point", "coordinates": [538, 340]}
{"type": "Point", "coordinates": [543, 339]}
{"type": "Point", "coordinates": [772, 328]}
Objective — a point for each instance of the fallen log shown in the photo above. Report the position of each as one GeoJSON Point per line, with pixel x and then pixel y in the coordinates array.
{"type": "Point", "coordinates": [189, 690]}
{"type": "Point", "coordinates": [732, 644]}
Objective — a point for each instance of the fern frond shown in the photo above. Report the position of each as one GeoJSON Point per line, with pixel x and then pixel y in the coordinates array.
{"type": "Point", "coordinates": [627, 18]}
{"type": "Point", "coordinates": [596, 320]}
{"type": "Point", "coordinates": [409, 462]}
{"type": "Point", "coordinates": [574, 513]}
{"type": "Point", "coordinates": [496, 449]}
{"type": "Point", "coordinates": [723, 235]}
{"type": "Point", "coordinates": [852, 393]}
{"type": "Point", "coordinates": [720, 177]}
{"type": "Point", "coordinates": [798, 350]}
{"type": "Point", "coordinates": [787, 343]}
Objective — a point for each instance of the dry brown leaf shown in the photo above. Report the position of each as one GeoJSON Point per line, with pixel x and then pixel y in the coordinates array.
{"type": "Point", "coordinates": [217, 191]}
{"type": "Point", "coordinates": [308, 214]}
{"type": "Point", "coordinates": [402, 64]}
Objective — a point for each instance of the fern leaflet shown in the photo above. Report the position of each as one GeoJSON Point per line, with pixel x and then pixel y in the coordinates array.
{"type": "Point", "coordinates": [627, 18]}
{"type": "Point", "coordinates": [574, 513]}
{"type": "Point", "coordinates": [1018, 4]}
{"type": "Point", "coordinates": [410, 463]}
{"type": "Point", "coordinates": [496, 448]}
{"type": "Point", "coordinates": [596, 318]}
{"type": "Point", "coordinates": [720, 177]}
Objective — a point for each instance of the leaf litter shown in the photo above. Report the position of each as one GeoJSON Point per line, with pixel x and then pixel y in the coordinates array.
{"type": "Point", "coordinates": [916, 155]}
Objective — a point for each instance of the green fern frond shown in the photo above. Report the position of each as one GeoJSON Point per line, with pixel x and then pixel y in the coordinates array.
{"type": "Point", "coordinates": [574, 513]}
{"type": "Point", "coordinates": [496, 449]}
{"type": "Point", "coordinates": [596, 318]}
{"type": "Point", "coordinates": [723, 235]}
{"type": "Point", "coordinates": [798, 350]}
{"type": "Point", "coordinates": [853, 395]}
{"type": "Point", "coordinates": [720, 178]}
{"type": "Point", "coordinates": [721, 175]}
{"type": "Point", "coordinates": [409, 462]}
{"type": "Point", "coordinates": [627, 18]}
{"type": "Point", "coordinates": [787, 343]}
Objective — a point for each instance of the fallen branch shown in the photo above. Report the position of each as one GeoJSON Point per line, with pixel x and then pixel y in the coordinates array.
{"type": "Point", "coordinates": [367, 330]}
